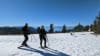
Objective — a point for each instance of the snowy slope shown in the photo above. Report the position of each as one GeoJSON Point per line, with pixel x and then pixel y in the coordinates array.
{"type": "Point", "coordinates": [61, 44]}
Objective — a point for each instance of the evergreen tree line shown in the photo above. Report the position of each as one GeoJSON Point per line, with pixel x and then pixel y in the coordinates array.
{"type": "Point", "coordinates": [18, 30]}
{"type": "Point", "coordinates": [96, 24]}
{"type": "Point", "coordinates": [77, 28]}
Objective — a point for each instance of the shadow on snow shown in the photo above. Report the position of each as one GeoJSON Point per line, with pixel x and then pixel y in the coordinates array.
{"type": "Point", "coordinates": [53, 52]}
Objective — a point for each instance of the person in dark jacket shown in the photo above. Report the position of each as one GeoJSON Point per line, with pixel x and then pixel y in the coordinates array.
{"type": "Point", "coordinates": [42, 35]}
{"type": "Point", "coordinates": [25, 33]}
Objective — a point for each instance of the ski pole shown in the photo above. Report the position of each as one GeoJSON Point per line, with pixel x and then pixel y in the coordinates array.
{"type": "Point", "coordinates": [47, 40]}
{"type": "Point", "coordinates": [34, 37]}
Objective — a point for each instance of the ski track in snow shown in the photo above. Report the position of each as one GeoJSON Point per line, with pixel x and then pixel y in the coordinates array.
{"type": "Point", "coordinates": [60, 44]}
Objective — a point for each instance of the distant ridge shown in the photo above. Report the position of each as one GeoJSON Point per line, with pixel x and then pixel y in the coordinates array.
{"type": "Point", "coordinates": [14, 30]}
{"type": "Point", "coordinates": [18, 30]}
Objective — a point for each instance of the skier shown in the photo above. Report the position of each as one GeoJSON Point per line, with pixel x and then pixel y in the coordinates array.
{"type": "Point", "coordinates": [71, 33]}
{"type": "Point", "coordinates": [42, 35]}
{"type": "Point", "coordinates": [25, 33]}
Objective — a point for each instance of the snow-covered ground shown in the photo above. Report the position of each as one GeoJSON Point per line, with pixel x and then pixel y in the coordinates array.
{"type": "Point", "coordinates": [61, 44]}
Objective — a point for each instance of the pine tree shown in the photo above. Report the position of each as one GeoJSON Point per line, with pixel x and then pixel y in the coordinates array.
{"type": "Point", "coordinates": [51, 28]}
{"type": "Point", "coordinates": [96, 27]}
{"type": "Point", "coordinates": [91, 26]}
{"type": "Point", "coordinates": [64, 29]}
{"type": "Point", "coordinates": [78, 28]}
{"type": "Point", "coordinates": [86, 28]}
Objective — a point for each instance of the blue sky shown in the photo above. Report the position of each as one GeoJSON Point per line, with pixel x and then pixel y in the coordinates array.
{"type": "Point", "coordinates": [45, 12]}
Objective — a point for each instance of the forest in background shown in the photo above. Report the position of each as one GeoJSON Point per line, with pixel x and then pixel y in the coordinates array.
{"type": "Point", "coordinates": [95, 27]}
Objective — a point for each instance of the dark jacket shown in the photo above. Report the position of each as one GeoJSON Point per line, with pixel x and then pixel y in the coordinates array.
{"type": "Point", "coordinates": [42, 32]}
{"type": "Point", "coordinates": [25, 30]}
